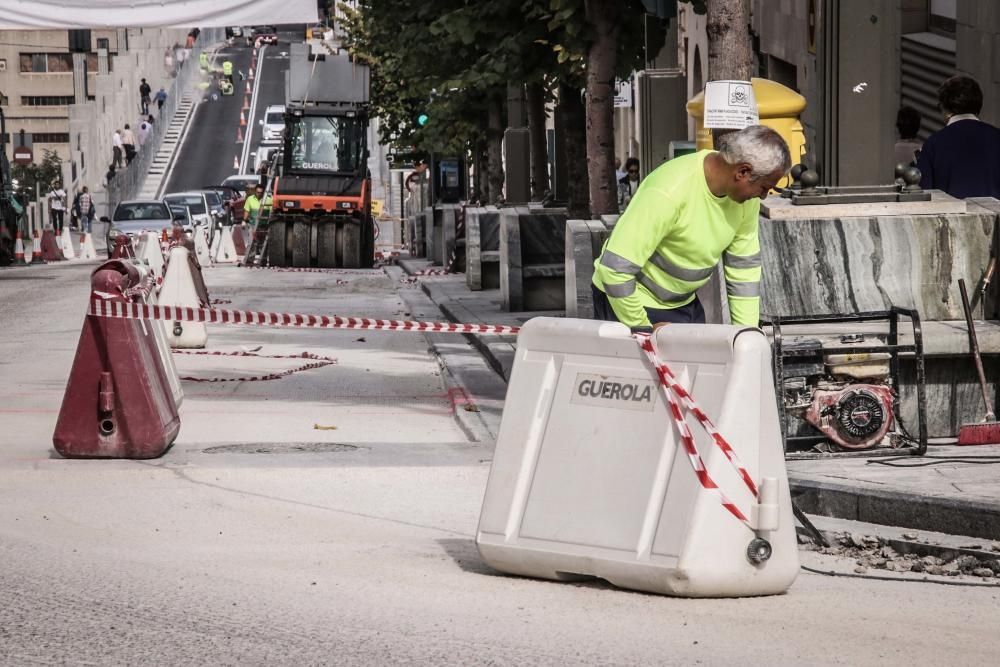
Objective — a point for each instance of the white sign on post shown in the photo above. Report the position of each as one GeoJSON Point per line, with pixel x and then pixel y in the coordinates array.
{"type": "Point", "coordinates": [730, 105]}
{"type": "Point", "coordinates": [623, 93]}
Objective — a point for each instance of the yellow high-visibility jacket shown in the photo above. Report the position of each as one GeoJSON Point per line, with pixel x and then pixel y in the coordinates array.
{"type": "Point", "coordinates": [669, 240]}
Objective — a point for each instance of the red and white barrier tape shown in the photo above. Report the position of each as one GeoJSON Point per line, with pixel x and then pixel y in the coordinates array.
{"type": "Point", "coordinates": [101, 307]}
{"type": "Point", "coordinates": [341, 272]}
{"type": "Point", "coordinates": [317, 362]}
{"type": "Point", "coordinates": [676, 396]}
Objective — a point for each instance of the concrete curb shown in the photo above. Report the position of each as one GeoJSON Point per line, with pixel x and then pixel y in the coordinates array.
{"type": "Point", "coordinates": [895, 508]}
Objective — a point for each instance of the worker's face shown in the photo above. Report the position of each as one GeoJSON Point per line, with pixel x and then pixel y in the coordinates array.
{"type": "Point", "coordinates": [259, 192]}
{"type": "Point", "coordinates": [745, 187]}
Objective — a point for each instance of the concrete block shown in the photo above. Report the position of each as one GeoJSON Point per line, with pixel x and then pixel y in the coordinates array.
{"type": "Point", "coordinates": [532, 258]}
{"type": "Point", "coordinates": [579, 255]}
{"type": "Point", "coordinates": [780, 208]}
{"type": "Point", "coordinates": [482, 234]}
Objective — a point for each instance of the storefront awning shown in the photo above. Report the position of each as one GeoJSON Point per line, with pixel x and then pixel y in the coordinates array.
{"type": "Point", "coordinates": [71, 14]}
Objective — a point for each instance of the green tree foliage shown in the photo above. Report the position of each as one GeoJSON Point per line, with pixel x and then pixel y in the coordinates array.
{"type": "Point", "coordinates": [43, 174]}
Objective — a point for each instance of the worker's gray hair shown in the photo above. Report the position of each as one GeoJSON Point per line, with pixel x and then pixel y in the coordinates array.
{"type": "Point", "coordinates": [760, 147]}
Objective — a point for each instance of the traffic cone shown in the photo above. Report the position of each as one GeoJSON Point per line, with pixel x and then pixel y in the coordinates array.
{"type": "Point", "coordinates": [36, 249]}
{"type": "Point", "coordinates": [246, 103]}
{"type": "Point", "coordinates": [248, 88]}
{"type": "Point", "coordinates": [19, 250]}
{"type": "Point", "coordinates": [67, 244]}
{"type": "Point", "coordinates": [250, 73]}
{"type": "Point", "coordinates": [243, 119]}
{"type": "Point", "coordinates": [87, 250]}
{"type": "Point", "coordinates": [239, 135]}
{"type": "Point", "coordinates": [236, 163]}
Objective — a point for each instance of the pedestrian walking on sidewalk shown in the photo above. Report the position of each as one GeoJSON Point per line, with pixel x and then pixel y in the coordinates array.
{"type": "Point", "coordinates": [161, 97]}
{"type": "Point", "coordinates": [142, 134]}
{"type": "Point", "coordinates": [117, 149]}
{"type": "Point", "coordinates": [57, 206]}
{"type": "Point", "coordinates": [689, 214]}
{"type": "Point", "coordinates": [128, 142]}
{"type": "Point", "coordinates": [84, 207]}
{"type": "Point", "coordinates": [963, 157]}
{"type": "Point", "coordinates": [144, 92]}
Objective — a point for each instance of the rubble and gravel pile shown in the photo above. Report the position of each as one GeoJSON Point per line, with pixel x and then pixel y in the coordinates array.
{"type": "Point", "coordinates": [871, 552]}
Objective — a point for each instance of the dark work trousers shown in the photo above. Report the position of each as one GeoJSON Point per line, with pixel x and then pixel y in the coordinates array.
{"type": "Point", "coordinates": [57, 220]}
{"type": "Point", "coordinates": [692, 313]}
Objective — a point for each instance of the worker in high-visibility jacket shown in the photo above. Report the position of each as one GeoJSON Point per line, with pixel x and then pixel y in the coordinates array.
{"type": "Point", "coordinates": [687, 215]}
{"type": "Point", "coordinates": [227, 70]}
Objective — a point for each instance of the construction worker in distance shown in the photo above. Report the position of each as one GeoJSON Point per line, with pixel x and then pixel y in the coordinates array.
{"type": "Point", "coordinates": [685, 216]}
{"type": "Point", "coordinates": [252, 205]}
{"type": "Point", "coordinates": [227, 71]}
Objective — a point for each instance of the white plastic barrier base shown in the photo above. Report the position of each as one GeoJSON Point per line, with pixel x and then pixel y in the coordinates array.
{"type": "Point", "coordinates": [66, 244]}
{"type": "Point", "coordinates": [178, 290]}
{"type": "Point", "coordinates": [225, 252]}
{"type": "Point", "coordinates": [590, 478]}
{"type": "Point", "coordinates": [87, 250]}
{"type": "Point", "coordinates": [162, 345]}
{"type": "Point", "coordinates": [147, 249]}
{"type": "Point", "coordinates": [201, 249]}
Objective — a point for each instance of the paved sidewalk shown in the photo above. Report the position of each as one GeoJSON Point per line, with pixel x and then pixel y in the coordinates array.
{"type": "Point", "coordinates": [954, 490]}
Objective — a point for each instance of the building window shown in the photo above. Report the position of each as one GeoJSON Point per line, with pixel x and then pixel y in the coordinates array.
{"type": "Point", "coordinates": [103, 43]}
{"type": "Point", "coordinates": [46, 100]}
{"type": "Point", "coordinates": [41, 63]}
{"type": "Point", "coordinates": [941, 16]}
{"type": "Point", "coordinates": [50, 137]}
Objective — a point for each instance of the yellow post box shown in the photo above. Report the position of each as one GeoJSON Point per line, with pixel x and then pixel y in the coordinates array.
{"type": "Point", "coordinates": [778, 107]}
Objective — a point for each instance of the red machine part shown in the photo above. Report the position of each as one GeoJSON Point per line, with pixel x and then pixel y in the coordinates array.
{"type": "Point", "coordinates": [856, 417]}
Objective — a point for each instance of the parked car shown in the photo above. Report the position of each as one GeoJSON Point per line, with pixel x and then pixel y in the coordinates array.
{"type": "Point", "coordinates": [216, 204]}
{"type": "Point", "coordinates": [263, 155]}
{"type": "Point", "coordinates": [273, 123]}
{"type": "Point", "coordinates": [267, 34]}
{"type": "Point", "coordinates": [195, 200]}
{"type": "Point", "coordinates": [139, 215]}
{"type": "Point", "coordinates": [240, 183]}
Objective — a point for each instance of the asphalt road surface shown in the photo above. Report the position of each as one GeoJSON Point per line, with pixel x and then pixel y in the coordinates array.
{"type": "Point", "coordinates": [328, 518]}
{"type": "Point", "coordinates": [207, 151]}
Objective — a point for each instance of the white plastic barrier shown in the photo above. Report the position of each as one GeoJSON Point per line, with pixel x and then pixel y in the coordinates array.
{"type": "Point", "coordinates": [162, 345]}
{"type": "Point", "coordinates": [178, 289]}
{"type": "Point", "coordinates": [591, 478]}
{"type": "Point", "coordinates": [201, 249]}
{"type": "Point", "coordinates": [147, 249]}
{"type": "Point", "coordinates": [225, 251]}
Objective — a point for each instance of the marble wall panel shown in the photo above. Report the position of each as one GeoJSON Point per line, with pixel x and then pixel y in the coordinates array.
{"type": "Point", "coordinates": [849, 265]}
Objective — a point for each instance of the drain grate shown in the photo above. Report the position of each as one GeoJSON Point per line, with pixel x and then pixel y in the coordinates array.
{"type": "Point", "coordinates": [282, 448]}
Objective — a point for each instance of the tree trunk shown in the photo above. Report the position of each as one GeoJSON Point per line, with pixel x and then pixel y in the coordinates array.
{"type": "Point", "coordinates": [539, 152]}
{"type": "Point", "coordinates": [729, 52]}
{"type": "Point", "coordinates": [480, 191]}
{"type": "Point", "coordinates": [603, 17]}
{"type": "Point", "coordinates": [494, 149]}
{"type": "Point", "coordinates": [573, 119]}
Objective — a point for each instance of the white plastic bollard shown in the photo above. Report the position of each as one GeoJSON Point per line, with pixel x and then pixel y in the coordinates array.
{"type": "Point", "coordinates": [590, 477]}
{"type": "Point", "coordinates": [201, 248]}
{"type": "Point", "coordinates": [162, 345]}
{"type": "Point", "coordinates": [147, 249]}
{"type": "Point", "coordinates": [178, 289]}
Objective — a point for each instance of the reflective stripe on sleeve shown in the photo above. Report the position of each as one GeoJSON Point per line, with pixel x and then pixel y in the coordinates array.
{"type": "Point", "coordinates": [748, 290]}
{"type": "Point", "coordinates": [744, 262]}
{"type": "Point", "coordinates": [619, 263]}
{"type": "Point", "coordinates": [620, 290]}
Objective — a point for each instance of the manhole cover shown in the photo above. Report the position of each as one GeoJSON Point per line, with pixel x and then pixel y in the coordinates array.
{"type": "Point", "coordinates": [282, 448]}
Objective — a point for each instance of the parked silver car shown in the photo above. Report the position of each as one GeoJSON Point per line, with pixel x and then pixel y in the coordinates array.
{"type": "Point", "coordinates": [139, 215]}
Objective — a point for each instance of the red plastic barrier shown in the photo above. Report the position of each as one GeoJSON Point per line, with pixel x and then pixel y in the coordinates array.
{"type": "Point", "coordinates": [50, 249]}
{"type": "Point", "coordinates": [239, 241]}
{"type": "Point", "coordinates": [118, 402]}
{"type": "Point", "coordinates": [123, 248]}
